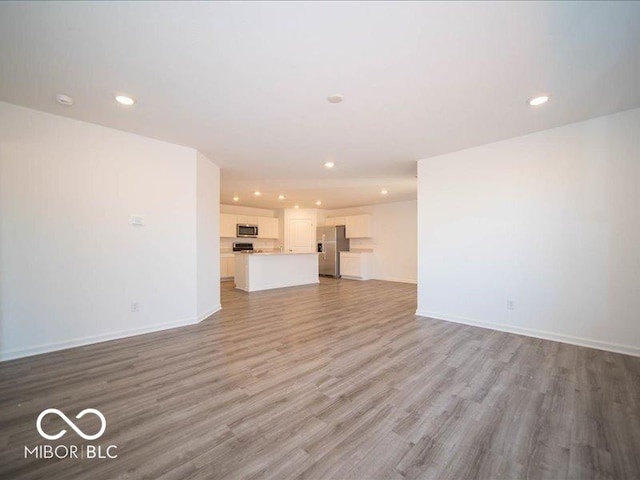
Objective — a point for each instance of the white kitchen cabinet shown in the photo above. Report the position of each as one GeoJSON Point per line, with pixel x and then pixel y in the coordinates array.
{"type": "Point", "coordinates": [223, 266]}
{"type": "Point", "coordinates": [268, 227]}
{"type": "Point", "coordinates": [356, 265]}
{"type": "Point", "coordinates": [227, 266]}
{"type": "Point", "coordinates": [358, 226]}
{"type": "Point", "coordinates": [348, 265]}
{"type": "Point", "coordinates": [247, 220]}
{"type": "Point", "coordinates": [264, 271]}
{"type": "Point", "coordinates": [227, 225]}
{"type": "Point", "coordinates": [335, 221]}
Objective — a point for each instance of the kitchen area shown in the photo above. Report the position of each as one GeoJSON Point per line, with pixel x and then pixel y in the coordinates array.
{"type": "Point", "coordinates": [263, 249]}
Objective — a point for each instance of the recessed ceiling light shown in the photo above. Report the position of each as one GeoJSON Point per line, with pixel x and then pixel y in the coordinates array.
{"type": "Point", "coordinates": [124, 100]}
{"type": "Point", "coordinates": [335, 98]}
{"type": "Point", "coordinates": [65, 100]}
{"type": "Point", "coordinates": [296, 206]}
{"type": "Point", "coordinates": [318, 202]}
{"type": "Point", "coordinates": [257, 194]}
{"type": "Point", "coordinates": [235, 199]}
{"type": "Point", "coordinates": [281, 197]}
{"type": "Point", "coordinates": [534, 102]}
{"type": "Point", "coordinates": [384, 192]}
{"type": "Point", "coordinates": [329, 165]}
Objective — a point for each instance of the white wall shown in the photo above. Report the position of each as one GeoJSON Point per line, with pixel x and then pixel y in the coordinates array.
{"type": "Point", "coordinates": [394, 241]}
{"type": "Point", "coordinates": [549, 220]}
{"type": "Point", "coordinates": [208, 236]}
{"type": "Point", "coordinates": [71, 263]}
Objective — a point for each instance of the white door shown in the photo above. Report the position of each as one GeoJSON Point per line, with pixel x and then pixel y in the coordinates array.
{"type": "Point", "coordinates": [302, 235]}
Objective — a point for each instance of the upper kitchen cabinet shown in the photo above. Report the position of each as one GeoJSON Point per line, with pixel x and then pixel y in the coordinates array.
{"type": "Point", "coordinates": [358, 226]}
{"type": "Point", "coordinates": [268, 227]}
{"type": "Point", "coordinates": [247, 220]}
{"type": "Point", "coordinates": [227, 225]}
{"type": "Point", "coordinates": [335, 221]}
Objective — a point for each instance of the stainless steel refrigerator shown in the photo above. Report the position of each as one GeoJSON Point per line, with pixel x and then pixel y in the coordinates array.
{"type": "Point", "coordinates": [331, 242]}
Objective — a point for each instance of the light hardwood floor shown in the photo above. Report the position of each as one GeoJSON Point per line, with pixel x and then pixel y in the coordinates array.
{"type": "Point", "coordinates": [338, 380]}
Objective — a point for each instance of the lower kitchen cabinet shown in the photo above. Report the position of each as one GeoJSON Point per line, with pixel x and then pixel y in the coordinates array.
{"type": "Point", "coordinates": [227, 266]}
{"type": "Point", "coordinates": [356, 265]}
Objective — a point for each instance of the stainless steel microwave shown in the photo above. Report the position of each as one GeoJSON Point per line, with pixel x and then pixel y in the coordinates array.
{"type": "Point", "coordinates": [246, 231]}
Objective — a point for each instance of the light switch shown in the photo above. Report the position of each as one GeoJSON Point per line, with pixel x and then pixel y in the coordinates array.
{"type": "Point", "coordinates": [137, 220]}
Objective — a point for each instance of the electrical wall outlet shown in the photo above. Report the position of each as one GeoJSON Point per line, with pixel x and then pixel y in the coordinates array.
{"type": "Point", "coordinates": [135, 307]}
{"type": "Point", "coordinates": [137, 220]}
{"type": "Point", "coordinates": [511, 305]}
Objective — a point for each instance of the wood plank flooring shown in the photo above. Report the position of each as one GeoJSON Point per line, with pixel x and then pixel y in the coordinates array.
{"type": "Point", "coordinates": [332, 381]}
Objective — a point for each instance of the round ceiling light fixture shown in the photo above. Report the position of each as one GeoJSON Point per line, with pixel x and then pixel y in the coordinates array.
{"type": "Point", "coordinates": [257, 193]}
{"type": "Point", "coordinates": [236, 198]}
{"type": "Point", "coordinates": [335, 98]}
{"type": "Point", "coordinates": [65, 100]}
{"type": "Point", "coordinates": [281, 197]}
{"type": "Point", "coordinates": [318, 202]}
{"type": "Point", "coordinates": [384, 192]}
{"type": "Point", "coordinates": [124, 100]}
{"type": "Point", "coordinates": [535, 101]}
{"type": "Point", "coordinates": [329, 165]}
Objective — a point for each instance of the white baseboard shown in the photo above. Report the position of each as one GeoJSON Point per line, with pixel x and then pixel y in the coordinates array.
{"type": "Point", "coordinates": [361, 279]}
{"type": "Point", "coordinates": [202, 316]}
{"type": "Point", "coordinates": [398, 280]}
{"type": "Point", "coordinates": [558, 337]}
{"type": "Point", "coordinates": [90, 339]}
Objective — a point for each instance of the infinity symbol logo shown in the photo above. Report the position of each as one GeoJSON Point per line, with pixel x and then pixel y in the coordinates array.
{"type": "Point", "coordinates": [46, 412]}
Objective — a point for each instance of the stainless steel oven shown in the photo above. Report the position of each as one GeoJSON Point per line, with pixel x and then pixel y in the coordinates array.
{"type": "Point", "coordinates": [242, 247]}
{"type": "Point", "coordinates": [246, 231]}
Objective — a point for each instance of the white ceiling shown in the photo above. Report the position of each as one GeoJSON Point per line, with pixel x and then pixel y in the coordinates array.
{"type": "Point", "coordinates": [246, 83]}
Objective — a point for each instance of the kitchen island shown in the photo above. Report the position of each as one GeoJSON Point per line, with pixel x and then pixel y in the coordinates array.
{"type": "Point", "coordinates": [264, 271]}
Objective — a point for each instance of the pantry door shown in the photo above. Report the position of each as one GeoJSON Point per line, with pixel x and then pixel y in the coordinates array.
{"type": "Point", "coordinates": [301, 235]}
